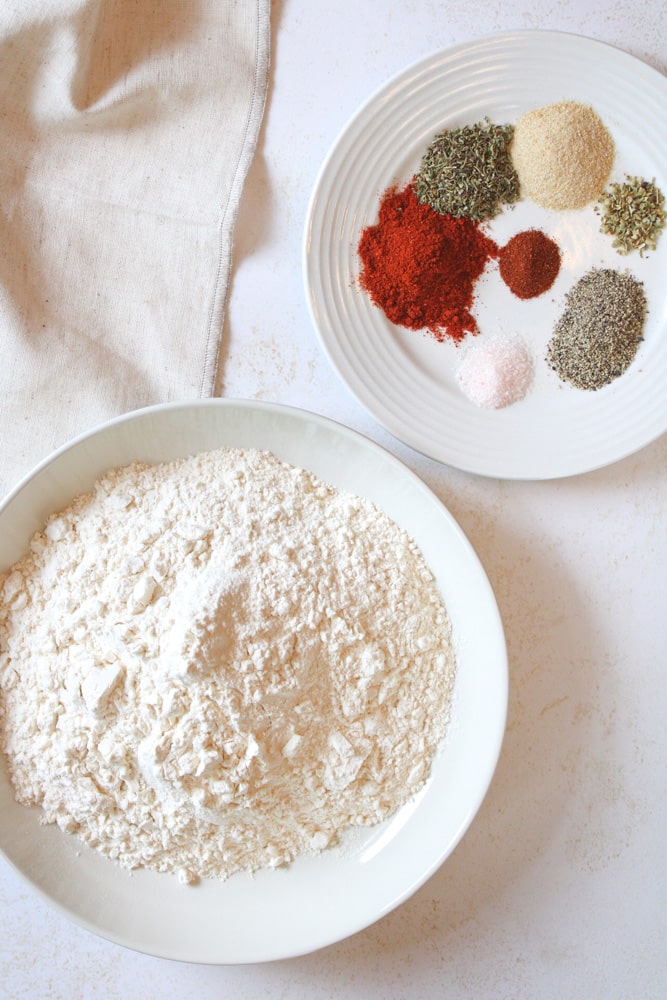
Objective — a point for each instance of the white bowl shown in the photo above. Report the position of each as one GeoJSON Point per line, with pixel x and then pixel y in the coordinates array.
{"type": "Point", "coordinates": [317, 900]}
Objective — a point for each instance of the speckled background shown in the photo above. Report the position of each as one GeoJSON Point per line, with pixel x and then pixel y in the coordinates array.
{"type": "Point", "coordinates": [559, 889]}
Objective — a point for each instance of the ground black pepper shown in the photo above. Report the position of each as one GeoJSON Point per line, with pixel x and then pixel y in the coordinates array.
{"type": "Point", "coordinates": [597, 337]}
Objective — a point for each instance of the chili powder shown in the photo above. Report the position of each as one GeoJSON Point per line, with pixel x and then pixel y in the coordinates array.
{"type": "Point", "coordinates": [529, 263]}
{"type": "Point", "coordinates": [420, 267]}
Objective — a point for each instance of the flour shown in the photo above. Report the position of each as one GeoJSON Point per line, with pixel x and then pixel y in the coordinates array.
{"type": "Point", "coordinates": [220, 663]}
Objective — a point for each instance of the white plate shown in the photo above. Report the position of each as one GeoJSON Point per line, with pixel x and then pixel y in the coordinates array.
{"type": "Point", "coordinates": [405, 379]}
{"type": "Point", "coordinates": [316, 901]}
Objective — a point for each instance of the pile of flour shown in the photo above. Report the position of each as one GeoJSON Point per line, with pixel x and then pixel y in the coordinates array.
{"type": "Point", "coordinates": [219, 663]}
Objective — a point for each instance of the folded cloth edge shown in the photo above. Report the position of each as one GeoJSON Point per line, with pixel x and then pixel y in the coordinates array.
{"type": "Point", "coordinates": [230, 212]}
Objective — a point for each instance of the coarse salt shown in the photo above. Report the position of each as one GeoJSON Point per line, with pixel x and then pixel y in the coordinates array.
{"type": "Point", "coordinates": [497, 372]}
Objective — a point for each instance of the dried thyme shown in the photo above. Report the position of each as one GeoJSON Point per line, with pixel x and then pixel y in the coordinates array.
{"type": "Point", "coordinates": [634, 213]}
{"type": "Point", "coordinates": [597, 337]}
{"type": "Point", "coordinates": [468, 173]}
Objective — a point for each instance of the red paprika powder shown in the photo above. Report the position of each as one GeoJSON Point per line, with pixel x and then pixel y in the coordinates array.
{"type": "Point", "coordinates": [529, 263]}
{"type": "Point", "coordinates": [420, 267]}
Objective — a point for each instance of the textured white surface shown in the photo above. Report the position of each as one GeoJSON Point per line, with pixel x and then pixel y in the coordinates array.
{"type": "Point", "coordinates": [558, 889]}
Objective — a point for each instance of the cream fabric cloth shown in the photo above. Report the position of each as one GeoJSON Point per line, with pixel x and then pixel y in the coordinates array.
{"type": "Point", "coordinates": [128, 127]}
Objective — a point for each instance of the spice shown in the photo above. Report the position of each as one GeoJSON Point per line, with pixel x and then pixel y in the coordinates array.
{"type": "Point", "coordinates": [597, 337]}
{"type": "Point", "coordinates": [420, 267]}
{"type": "Point", "coordinates": [529, 263]}
{"type": "Point", "coordinates": [468, 172]}
{"type": "Point", "coordinates": [633, 212]}
{"type": "Point", "coordinates": [496, 373]}
{"type": "Point", "coordinates": [563, 155]}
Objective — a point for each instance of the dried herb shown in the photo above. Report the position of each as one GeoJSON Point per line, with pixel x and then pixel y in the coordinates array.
{"type": "Point", "coordinates": [633, 212]}
{"type": "Point", "coordinates": [597, 337]}
{"type": "Point", "coordinates": [468, 172]}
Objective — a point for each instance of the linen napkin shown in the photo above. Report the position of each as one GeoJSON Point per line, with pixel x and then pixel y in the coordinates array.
{"type": "Point", "coordinates": [128, 128]}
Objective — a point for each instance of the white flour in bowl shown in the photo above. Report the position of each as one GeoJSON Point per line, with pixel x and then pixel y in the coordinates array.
{"type": "Point", "coordinates": [219, 663]}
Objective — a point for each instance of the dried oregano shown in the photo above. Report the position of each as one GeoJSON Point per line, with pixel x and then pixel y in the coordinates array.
{"type": "Point", "coordinates": [633, 212]}
{"type": "Point", "coordinates": [467, 172]}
